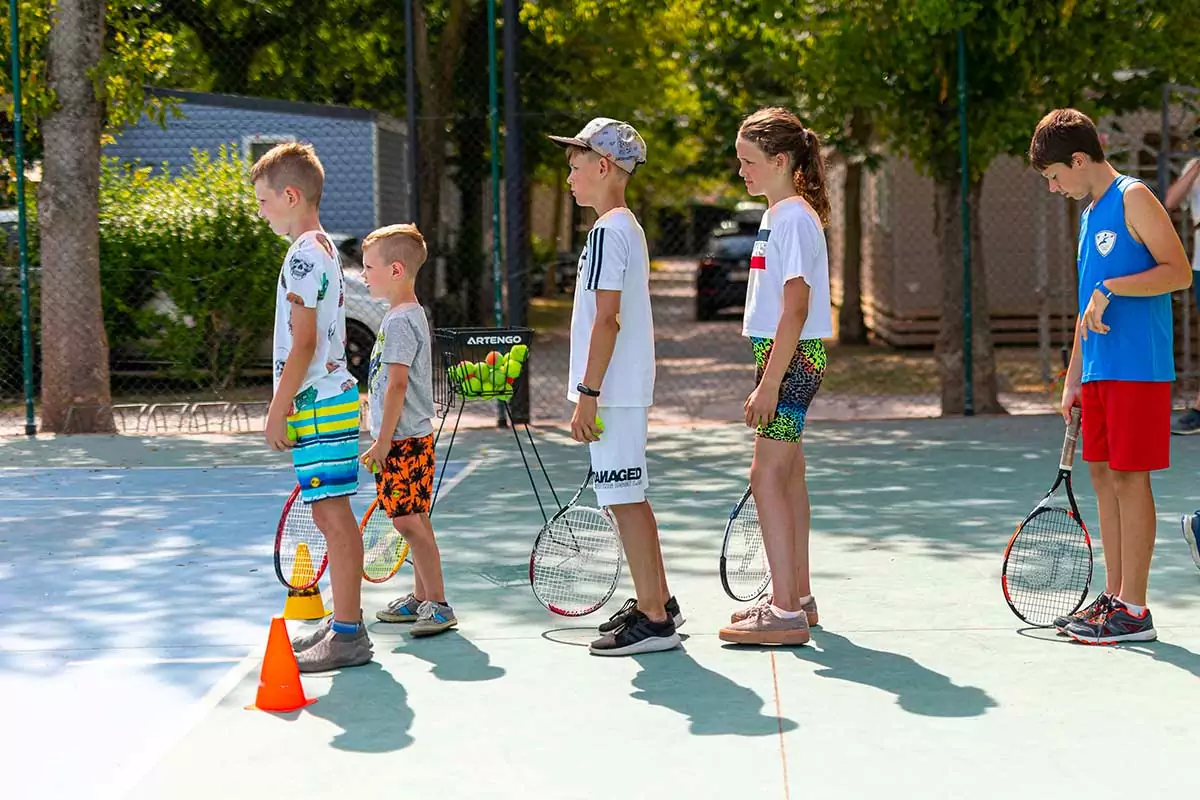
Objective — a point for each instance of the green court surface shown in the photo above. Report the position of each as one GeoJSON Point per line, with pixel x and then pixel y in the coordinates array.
{"type": "Point", "coordinates": [919, 682]}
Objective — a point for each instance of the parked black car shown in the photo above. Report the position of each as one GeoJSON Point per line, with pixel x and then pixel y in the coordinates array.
{"type": "Point", "coordinates": [724, 270]}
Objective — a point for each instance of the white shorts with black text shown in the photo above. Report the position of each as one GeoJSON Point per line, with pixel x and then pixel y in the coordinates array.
{"type": "Point", "coordinates": [619, 458]}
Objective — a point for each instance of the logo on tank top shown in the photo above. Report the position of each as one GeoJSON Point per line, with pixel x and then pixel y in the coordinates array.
{"type": "Point", "coordinates": [1105, 241]}
{"type": "Point", "coordinates": [758, 256]}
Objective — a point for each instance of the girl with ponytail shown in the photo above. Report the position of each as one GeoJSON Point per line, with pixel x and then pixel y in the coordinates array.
{"type": "Point", "coordinates": [787, 314]}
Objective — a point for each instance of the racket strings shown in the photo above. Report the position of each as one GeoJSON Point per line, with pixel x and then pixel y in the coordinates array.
{"type": "Point", "coordinates": [746, 566]}
{"type": "Point", "coordinates": [383, 547]}
{"type": "Point", "coordinates": [576, 561]}
{"type": "Point", "coordinates": [1048, 566]}
{"type": "Point", "coordinates": [302, 548]}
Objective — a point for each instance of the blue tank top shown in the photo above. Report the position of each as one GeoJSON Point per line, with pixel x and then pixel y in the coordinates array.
{"type": "Point", "coordinates": [1139, 345]}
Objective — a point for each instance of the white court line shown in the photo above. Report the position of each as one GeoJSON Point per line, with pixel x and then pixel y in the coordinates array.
{"type": "Point", "coordinates": [117, 467]}
{"type": "Point", "coordinates": [145, 761]}
{"type": "Point", "coordinates": [446, 487]}
{"type": "Point", "coordinates": [151, 662]}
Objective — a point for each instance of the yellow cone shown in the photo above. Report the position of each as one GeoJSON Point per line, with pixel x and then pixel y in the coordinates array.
{"type": "Point", "coordinates": [304, 603]}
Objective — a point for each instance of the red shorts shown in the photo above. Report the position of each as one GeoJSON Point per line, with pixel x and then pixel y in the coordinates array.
{"type": "Point", "coordinates": [1127, 424]}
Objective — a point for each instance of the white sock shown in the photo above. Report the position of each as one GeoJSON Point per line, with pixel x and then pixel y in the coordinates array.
{"type": "Point", "coordinates": [1135, 610]}
{"type": "Point", "coordinates": [779, 612]}
{"type": "Point", "coordinates": [805, 600]}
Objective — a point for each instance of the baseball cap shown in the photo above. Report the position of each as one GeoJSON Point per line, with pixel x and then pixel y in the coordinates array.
{"type": "Point", "coordinates": [616, 140]}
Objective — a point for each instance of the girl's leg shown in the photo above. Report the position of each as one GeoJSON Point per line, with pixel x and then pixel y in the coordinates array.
{"type": "Point", "coordinates": [802, 514]}
{"type": "Point", "coordinates": [770, 481]}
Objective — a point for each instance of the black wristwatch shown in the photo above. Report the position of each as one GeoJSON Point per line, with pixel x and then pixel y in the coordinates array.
{"type": "Point", "coordinates": [585, 390]}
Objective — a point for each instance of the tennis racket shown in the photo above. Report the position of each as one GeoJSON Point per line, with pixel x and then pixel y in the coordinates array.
{"type": "Point", "coordinates": [745, 572]}
{"type": "Point", "coordinates": [301, 555]}
{"type": "Point", "coordinates": [576, 559]}
{"type": "Point", "coordinates": [1048, 562]}
{"type": "Point", "coordinates": [384, 549]}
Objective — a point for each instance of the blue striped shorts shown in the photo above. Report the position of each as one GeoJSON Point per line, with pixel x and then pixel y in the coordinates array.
{"type": "Point", "coordinates": [326, 451]}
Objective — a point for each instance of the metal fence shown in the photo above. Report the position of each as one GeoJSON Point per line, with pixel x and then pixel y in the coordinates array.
{"type": "Point", "coordinates": [188, 271]}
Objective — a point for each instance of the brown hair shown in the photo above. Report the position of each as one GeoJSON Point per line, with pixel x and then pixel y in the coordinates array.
{"type": "Point", "coordinates": [777, 130]}
{"type": "Point", "coordinates": [291, 164]}
{"type": "Point", "coordinates": [403, 243]}
{"type": "Point", "coordinates": [1061, 134]}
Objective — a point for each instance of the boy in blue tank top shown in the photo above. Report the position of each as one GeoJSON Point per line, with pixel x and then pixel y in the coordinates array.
{"type": "Point", "coordinates": [1122, 366]}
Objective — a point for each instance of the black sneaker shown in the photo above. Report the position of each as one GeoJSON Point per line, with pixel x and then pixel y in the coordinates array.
{"type": "Point", "coordinates": [637, 635]}
{"type": "Point", "coordinates": [1187, 424]}
{"type": "Point", "coordinates": [618, 619]}
{"type": "Point", "coordinates": [1118, 625]}
{"type": "Point", "coordinates": [1098, 606]}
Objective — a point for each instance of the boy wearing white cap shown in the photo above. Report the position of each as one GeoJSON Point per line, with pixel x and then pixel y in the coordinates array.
{"type": "Point", "coordinates": [612, 375]}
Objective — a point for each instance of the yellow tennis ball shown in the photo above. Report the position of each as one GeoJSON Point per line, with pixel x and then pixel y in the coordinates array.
{"type": "Point", "coordinates": [599, 423]}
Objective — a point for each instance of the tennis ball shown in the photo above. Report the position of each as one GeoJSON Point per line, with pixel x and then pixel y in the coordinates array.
{"type": "Point", "coordinates": [519, 352]}
{"type": "Point", "coordinates": [514, 368]}
{"type": "Point", "coordinates": [599, 423]}
{"type": "Point", "coordinates": [492, 357]}
{"type": "Point", "coordinates": [291, 432]}
{"type": "Point", "coordinates": [474, 384]}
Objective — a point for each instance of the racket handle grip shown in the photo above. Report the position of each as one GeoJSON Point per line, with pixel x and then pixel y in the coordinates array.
{"type": "Point", "coordinates": [1067, 459]}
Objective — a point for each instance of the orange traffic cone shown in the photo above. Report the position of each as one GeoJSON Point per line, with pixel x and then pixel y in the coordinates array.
{"type": "Point", "coordinates": [304, 603]}
{"type": "Point", "coordinates": [279, 687]}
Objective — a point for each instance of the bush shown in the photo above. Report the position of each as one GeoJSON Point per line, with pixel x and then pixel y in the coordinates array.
{"type": "Point", "coordinates": [188, 266]}
{"type": "Point", "coordinates": [187, 272]}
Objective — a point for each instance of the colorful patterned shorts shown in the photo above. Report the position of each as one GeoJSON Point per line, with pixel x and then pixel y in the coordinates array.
{"type": "Point", "coordinates": [800, 384]}
{"type": "Point", "coordinates": [405, 485]}
{"type": "Point", "coordinates": [326, 451]}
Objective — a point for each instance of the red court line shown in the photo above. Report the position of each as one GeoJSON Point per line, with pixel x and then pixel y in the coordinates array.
{"type": "Point", "coordinates": [787, 794]}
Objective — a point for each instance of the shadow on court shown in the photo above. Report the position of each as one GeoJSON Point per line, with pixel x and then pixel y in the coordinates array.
{"type": "Point", "coordinates": [371, 708]}
{"type": "Point", "coordinates": [453, 657]}
{"type": "Point", "coordinates": [713, 704]}
{"type": "Point", "coordinates": [1168, 653]}
{"type": "Point", "coordinates": [918, 689]}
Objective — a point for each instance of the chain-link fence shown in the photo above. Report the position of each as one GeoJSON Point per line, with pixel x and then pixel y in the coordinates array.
{"type": "Point", "coordinates": [187, 269]}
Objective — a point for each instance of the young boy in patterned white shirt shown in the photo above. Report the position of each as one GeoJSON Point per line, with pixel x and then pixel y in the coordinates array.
{"type": "Point", "coordinates": [315, 395]}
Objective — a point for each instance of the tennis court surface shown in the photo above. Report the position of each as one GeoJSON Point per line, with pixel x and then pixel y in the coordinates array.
{"type": "Point", "coordinates": [137, 589]}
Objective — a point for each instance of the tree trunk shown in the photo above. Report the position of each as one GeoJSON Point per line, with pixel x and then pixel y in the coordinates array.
{"type": "Point", "coordinates": [437, 91]}
{"type": "Point", "coordinates": [550, 283]}
{"type": "Point", "coordinates": [852, 328]}
{"type": "Point", "coordinates": [74, 345]}
{"type": "Point", "coordinates": [949, 348]}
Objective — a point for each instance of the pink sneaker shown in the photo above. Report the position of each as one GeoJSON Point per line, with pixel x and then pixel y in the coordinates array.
{"type": "Point", "coordinates": [810, 610]}
{"type": "Point", "coordinates": [763, 626]}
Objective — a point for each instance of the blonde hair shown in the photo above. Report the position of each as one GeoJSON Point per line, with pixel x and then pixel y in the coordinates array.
{"type": "Point", "coordinates": [403, 243]}
{"type": "Point", "coordinates": [291, 164]}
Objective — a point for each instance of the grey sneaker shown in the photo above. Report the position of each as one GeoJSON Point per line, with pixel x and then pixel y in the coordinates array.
{"type": "Point", "coordinates": [305, 641]}
{"type": "Point", "coordinates": [1190, 525]}
{"type": "Point", "coordinates": [337, 651]}
{"type": "Point", "coordinates": [1187, 424]}
{"type": "Point", "coordinates": [764, 626]}
{"type": "Point", "coordinates": [403, 609]}
{"type": "Point", "coordinates": [433, 618]}
{"type": "Point", "coordinates": [810, 610]}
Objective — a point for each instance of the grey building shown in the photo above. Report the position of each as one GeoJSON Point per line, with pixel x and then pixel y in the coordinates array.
{"type": "Point", "coordinates": [364, 152]}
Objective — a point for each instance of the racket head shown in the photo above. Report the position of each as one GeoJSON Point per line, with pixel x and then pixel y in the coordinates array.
{"type": "Point", "coordinates": [576, 561]}
{"type": "Point", "coordinates": [301, 554]}
{"type": "Point", "coordinates": [745, 572]}
{"type": "Point", "coordinates": [1047, 569]}
{"type": "Point", "coordinates": [384, 547]}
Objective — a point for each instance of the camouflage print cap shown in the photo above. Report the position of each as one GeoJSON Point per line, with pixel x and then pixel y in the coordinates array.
{"type": "Point", "coordinates": [613, 139]}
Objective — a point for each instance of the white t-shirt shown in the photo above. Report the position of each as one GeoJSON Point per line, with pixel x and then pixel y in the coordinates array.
{"type": "Point", "coordinates": [312, 272]}
{"type": "Point", "coordinates": [790, 245]}
{"type": "Point", "coordinates": [616, 258]}
{"type": "Point", "coordinates": [1193, 202]}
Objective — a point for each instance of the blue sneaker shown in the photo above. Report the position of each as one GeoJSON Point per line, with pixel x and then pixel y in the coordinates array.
{"type": "Point", "coordinates": [433, 618]}
{"type": "Point", "coordinates": [1190, 523]}
{"type": "Point", "coordinates": [404, 609]}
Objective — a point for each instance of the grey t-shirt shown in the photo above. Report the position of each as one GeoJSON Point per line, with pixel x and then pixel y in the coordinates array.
{"type": "Point", "coordinates": [403, 338]}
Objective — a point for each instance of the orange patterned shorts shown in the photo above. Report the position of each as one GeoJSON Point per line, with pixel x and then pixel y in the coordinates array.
{"type": "Point", "coordinates": [405, 485]}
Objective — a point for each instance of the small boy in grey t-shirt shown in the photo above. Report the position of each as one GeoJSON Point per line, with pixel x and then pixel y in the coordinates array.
{"type": "Point", "coordinates": [400, 382]}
